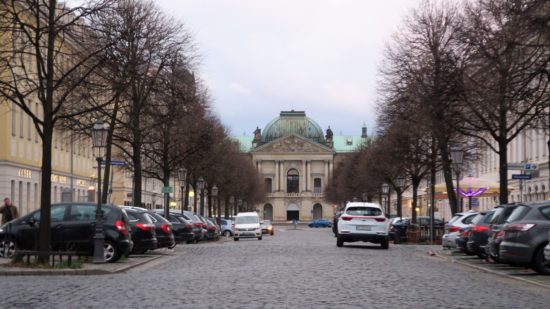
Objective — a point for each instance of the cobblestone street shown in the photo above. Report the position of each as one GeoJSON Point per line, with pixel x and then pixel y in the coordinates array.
{"type": "Point", "coordinates": [294, 269]}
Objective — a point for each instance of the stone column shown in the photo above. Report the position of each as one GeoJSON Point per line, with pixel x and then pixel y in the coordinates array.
{"type": "Point", "coordinates": [304, 177]}
{"type": "Point", "coordinates": [325, 180]}
{"type": "Point", "coordinates": [276, 184]}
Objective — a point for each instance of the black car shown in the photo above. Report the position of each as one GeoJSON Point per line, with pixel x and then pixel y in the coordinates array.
{"type": "Point", "coordinates": [182, 229]}
{"type": "Point", "coordinates": [163, 228]}
{"type": "Point", "coordinates": [479, 233]}
{"type": "Point", "coordinates": [502, 212]}
{"type": "Point", "coordinates": [462, 240]}
{"type": "Point", "coordinates": [199, 229]}
{"type": "Point", "coordinates": [72, 230]}
{"type": "Point", "coordinates": [144, 235]}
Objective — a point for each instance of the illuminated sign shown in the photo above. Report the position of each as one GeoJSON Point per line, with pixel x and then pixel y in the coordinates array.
{"type": "Point", "coordinates": [57, 178]}
{"type": "Point", "coordinates": [25, 173]}
{"type": "Point", "coordinates": [81, 183]}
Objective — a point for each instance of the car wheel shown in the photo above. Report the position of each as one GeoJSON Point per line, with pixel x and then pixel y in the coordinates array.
{"type": "Point", "coordinates": [260, 238]}
{"type": "Point", "coordinates": [385, 244]}
{"type": "Point", "coordinates": [540, 264]}
{"type": "Point", "coordinates": [272, 233]}
{"type": "Point", "coordinates": [235, 238]}
{"type": "Point", "coordinates": [482, 255]}
{"type": "Point", "coordinates": [339, 242]}
{"type": "Point", "coordinates": [110, 252]}
{"type": "Point", "coordinates": [227, 233]}
{"type": "Point", "coordinates": [7, 248]}
{"type": "Point", "coordinates": [172, 246]}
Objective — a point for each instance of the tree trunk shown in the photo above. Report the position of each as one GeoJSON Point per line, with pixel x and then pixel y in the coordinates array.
{"type": "Point", "coordinates": [399, 203]}
{"type": "Point", "coordinates": [166, 183]}
{"type": "Point", "coordinates": [108, 154]}
{"type": "Point", "coordinates": [503, 170]}
{"type": "Point", "coordinates": [136, 161]}
{"type": "Point", "coordinates": [226, 213]}
{"type": "Point", "coordinates": [447, 173]}
{"type": "Point", "coordinates": [415, 185]}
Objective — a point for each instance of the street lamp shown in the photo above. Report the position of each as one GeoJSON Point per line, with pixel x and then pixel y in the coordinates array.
{"type": "Point", "coordinates": [100, 131]}
{"type": "Point", "coordinates": [457, 155]}
{"type": "Point", "coordinates": [200, 185]}
{"type": "Point", "coordinates": [385, 191]}
{"type": "Point", "coordinates": [182, 176]}
{"type": "Point", "coordinates": [214, 192]}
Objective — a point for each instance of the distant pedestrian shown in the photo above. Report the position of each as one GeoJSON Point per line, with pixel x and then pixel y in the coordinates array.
{"type": "Point", "coordinates": [8, 211]}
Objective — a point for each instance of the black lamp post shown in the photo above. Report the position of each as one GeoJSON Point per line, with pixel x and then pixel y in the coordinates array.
{"type": "Point", "coordinates": [400, 183]}
{"type": "Point", "coordinates": [99, 141]}
{"type": "Point", "coordinates": [457, 155]}
{"type": "Point", "coordinates": [200, 185]}
{"type": "Point", "coordinates": [385, 191]}
{"type": "Point", "coordinates": [182, 175]}
{"type": "Point", "coordinates": [214, 192]}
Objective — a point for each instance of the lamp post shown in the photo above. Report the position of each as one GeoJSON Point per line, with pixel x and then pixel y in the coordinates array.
{"type": "Point", "coordinates": [400, 183]}
{"type": "Point", "coordinates": [182, 175]}
{"type": "Point", "coordinates": [200, 185]}
{"type": "Point", "coordinates": [214, 192]}
{"type": "Point", "coordinates": [99, 142]}
{"type": "Point", "coordinates": [457, 155]}
{"type": "Point", "coordinates": [385, 191]}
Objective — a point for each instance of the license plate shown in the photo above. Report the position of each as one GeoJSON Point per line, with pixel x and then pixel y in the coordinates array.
{"type": "Point", "coordinates": [363, 228]}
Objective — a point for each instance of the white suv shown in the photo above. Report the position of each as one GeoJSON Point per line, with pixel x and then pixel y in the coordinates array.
{"type": "Point", "coordinates": [363, 222]}
{"type": "Point", "coordinates": [247, 225]}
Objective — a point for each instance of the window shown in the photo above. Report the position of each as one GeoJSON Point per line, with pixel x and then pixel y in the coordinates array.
{"type": "Point", "coordinates": [292, 181]}
{"type": "Point", "coordinates": [545, 211]}
{"type": "Point", "coordinates": [363, 211]}
{"type": "Point", "coordinates": [57, 213]}
{"type": "Point", "coordinates": [82, 213]}
{"type": "Point", "coordinates": [13, 119]}
{"type": "Point", "coordinates": [268, 185]}
{"type": "Point", "coordinates": [21, 123]}
{"type": "Point", "coordinates": [518, 214]}
{"type": "Point", "coordinates": [317, 185]}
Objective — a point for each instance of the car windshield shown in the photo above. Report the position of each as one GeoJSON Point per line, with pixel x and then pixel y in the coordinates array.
{"type": "Point", "coordinates": [497, 215]}
{"type": "Point", "coordinates": [364, 211]}
{"type": "Point", "coordinates": [247, 220]}
{"type": "Point", "coordinates": [518, 214]}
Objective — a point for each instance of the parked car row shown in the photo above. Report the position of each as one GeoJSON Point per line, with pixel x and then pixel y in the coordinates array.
{"type": "Point", "coordinates": [127, 230]}
{"type": "Point", "coordinates": [515, 234]}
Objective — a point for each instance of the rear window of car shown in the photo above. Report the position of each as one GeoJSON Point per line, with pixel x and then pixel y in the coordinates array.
{"type": "Point", "coordinates": [468, 219]}
{"type": "Point", "coordinates": [478, 218]}
{"type": "Point", "coordinates": [247, 220]}
{"type": "Point", "coordinates": [364, 211]}
{"type": "Point", "coordinates": [497, 215]}
{"type": "Point", "coordinates": [518, 214]}
{"type": "Point", "coordinates": [545, 211]}
{"type": "Point", "coordinates": [453, 219]}
{"type": "Point", "coordinates": [488, 217]}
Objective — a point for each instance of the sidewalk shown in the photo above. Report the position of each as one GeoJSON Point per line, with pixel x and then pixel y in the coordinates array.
{"type": "Point", "coordinates": [122, 265]}
{"type": "Point", "coordinates": [504, 270]}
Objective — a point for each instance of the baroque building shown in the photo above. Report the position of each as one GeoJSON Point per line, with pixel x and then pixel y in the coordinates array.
{"type": "Point", "coordinates": [295, 159]}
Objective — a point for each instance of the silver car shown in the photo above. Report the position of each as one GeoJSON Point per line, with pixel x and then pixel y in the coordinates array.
{"type": "Point", "coordinates": [547, 250]}
{"type": "Point", "coordinates": [452, 228]}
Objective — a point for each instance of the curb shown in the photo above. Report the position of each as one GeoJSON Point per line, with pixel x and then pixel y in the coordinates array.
{"type": "Point", "coordinates": [490, 271]}
{"type": "Point", "coordinates": [75, 272]}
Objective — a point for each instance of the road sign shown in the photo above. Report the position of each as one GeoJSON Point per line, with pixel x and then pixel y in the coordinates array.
{"type": "Point", "coordinates": [530, 167]}
{"type": "Point", "coordinates": [521, 176]}
{"type": "Point", "coordinates": [167, 190]}
{"type": "Point", "coordinates": [115, 163]}
{"type": "Point", "coordinates": [516, 166]}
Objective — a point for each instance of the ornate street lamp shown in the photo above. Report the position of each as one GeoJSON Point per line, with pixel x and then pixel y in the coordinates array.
{"type": "Point", "coordinates": [100, 131]}
{"type": "Point", "coordinates": [385, 191]}
{"type": "Point", "coordinates": [457, 155]}
{"type": "Point", "coordinates": [182, 176]}
{"type": "Point", "coordinates": [200, 186]}
{"type": "Point", "coordinates": [214, 192]}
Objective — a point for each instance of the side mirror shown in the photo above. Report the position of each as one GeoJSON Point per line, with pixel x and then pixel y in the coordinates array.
{"type": "Point", "coordinates": [31, 221]}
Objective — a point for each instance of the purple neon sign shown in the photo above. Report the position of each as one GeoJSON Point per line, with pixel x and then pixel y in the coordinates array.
{"type": "Point", "coordinates": [471, 193]}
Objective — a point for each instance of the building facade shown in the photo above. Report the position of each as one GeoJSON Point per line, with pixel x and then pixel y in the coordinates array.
{"type": "Point", "coordinates": [295, 159]}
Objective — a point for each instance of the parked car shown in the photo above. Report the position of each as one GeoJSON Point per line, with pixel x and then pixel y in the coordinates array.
{"type": "Point", "coordinates": [183, 230]}
{"type": "Point", "coordinates": [267, 227]}
{"type": "Point", "coordinates": [547, 252]}
{"type": "Point", "coordinates": [479, 234]}
{"type": "Point", "coordinates": [462, 239]}
{"type": "Point", "coordinates": [452, 228]}
{"type": "Point", "coordinates": [163, 228]}
{"type": "Point", "coordinates": [226, 227]}
{"type": "Point", "coordinates": [212, 229]}
{"type": "Point", "coordinates": [247, 225]}
{"type": "Point", "coordinates": [320, 223]}
{"type": "Point", "coordinates": [398, 227]}
{"type": "Point", "coordinates": [198, 229]}
{"type": "Point", "coordinates": [502, 212]}
{"type": "Point", "coordinates": [335, 223]}
{"type": "Point", "coordinates": [143, 232]}
{"type": "Point", "coordinates": [526, 235]}
{"type": "Point", "coordinates": [363, 222]}
{"type": "Point", "coordinates": [72, 229]}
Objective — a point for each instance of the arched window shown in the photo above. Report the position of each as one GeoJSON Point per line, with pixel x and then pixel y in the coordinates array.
{"type": "Point", "coordinates": [292, 181]}
{"type": "Point", "coordinates": [268, 185]}
{"type": "Point", "coordinates": [317, 185]}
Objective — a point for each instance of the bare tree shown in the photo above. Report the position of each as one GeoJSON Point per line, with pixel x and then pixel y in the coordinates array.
{"type": "Point", "coordinates": [47, 57]}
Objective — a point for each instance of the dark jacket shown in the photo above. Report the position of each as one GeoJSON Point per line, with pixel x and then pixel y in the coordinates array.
{"type": "Point", "coordinates": [8, 213]}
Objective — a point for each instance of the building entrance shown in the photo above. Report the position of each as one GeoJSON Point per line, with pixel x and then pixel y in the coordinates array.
{"type": "Point", "coordinates": [292, 212]}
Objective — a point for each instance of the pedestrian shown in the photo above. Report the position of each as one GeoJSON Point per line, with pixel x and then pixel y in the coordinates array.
{"type": "Point", "coordinates": [8, 211]}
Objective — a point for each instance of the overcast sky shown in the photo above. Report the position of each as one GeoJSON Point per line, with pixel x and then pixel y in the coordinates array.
{"type": "Point", "coordinates": [259, 57]}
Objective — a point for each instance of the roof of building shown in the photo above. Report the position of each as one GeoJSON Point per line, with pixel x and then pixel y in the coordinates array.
{"type": "Point", "coordinates": [245, 142]}
{"type": "Point", "coordinates": [342, 143]}
{"type": "Point", "coordinates": [292, 122]}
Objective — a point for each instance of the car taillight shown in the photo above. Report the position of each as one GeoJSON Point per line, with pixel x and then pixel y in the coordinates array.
{"type": "Point", "coordinates": [189, 226]}
{"type": "Point", "coordinates": [380, 219]}
{"type": "Point", "coordinates": [211, 228]}
{"type": "Point", "coordinates": [500, 234]}
{"type": "Point", "coordinates": [121, 227]}
{"type": "Point", "coordinates": [454, 228]}
{"type": "Point", "coordinates": [480, 228]}
{"type": "Point", "coordinates": [197, 224]}
{"type": "Point", "coordinates": [165, 228]}
{"type": "Point", "coordinates": [519, 227]}
{"type": "Point", "coordinates": [347, 218]}
{"type": "Point", "coordinates": [145, 226]}
{"type": "Point", "coordinates": [466, 233]}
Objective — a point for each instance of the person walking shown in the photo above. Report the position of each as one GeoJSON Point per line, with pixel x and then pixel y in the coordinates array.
{"type": "Point", "coordinates": [8, 211]}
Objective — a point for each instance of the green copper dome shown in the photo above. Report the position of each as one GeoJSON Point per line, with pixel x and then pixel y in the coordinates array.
{"type": "Point", "coordinates": [292, 122]}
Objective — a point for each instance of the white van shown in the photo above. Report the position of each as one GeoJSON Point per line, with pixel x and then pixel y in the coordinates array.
{"type": "Point", "coordinates": [247, 225]}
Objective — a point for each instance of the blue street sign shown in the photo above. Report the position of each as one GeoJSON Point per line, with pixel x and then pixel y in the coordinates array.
{"type": "Point", "coordinates": [115, 163]}
{"type": "Point", "coordinates": [521, 176]}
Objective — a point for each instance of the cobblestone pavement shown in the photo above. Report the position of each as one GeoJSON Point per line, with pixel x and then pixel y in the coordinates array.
{"type": "Point", "coordinates": [293, 269]}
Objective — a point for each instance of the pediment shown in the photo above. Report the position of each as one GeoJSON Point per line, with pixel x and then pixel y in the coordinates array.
{"type": "Point", "coordinates": [293, 144]}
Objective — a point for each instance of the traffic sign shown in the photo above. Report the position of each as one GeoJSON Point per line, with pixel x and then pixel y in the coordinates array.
{"type": "Point", "coordinates": [115, 163]}
{"type": "Point", "coordinates": [521, 176]}
{"type": "Point", "coordinates": [530, 167]}
{"type": "Point", "coordinates": [167, 190]}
